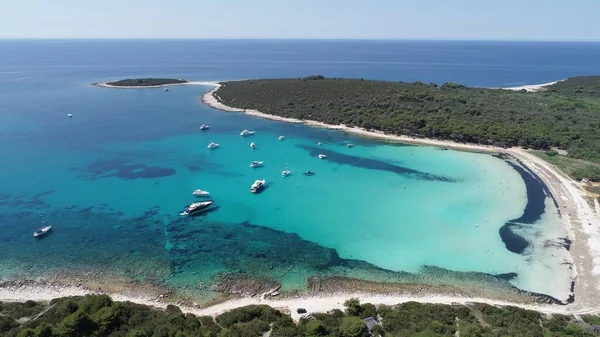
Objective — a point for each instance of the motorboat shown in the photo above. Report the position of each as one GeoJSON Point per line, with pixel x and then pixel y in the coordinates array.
{"type": "Point", "coordinates": [213, 145]}
{"type": "Point", "coordinates": [196, 207]}
{"type": "Point", "coordinates": [257, 186]}
{"type": "Point", "coordinates": [252, 145]}
{"type": "Point", "coordinates": [69, 115]}
{"type": "Point", "coordinates": [256, 164]}
{"type": "Point", "coordinates": [321, 156]}
{"type": "Point", "coordinates": [319, 143]}
{"type": "Point", "coordinates": [200, 193]}
{"type": "Point", "coordinates": [166, 89]}
{"type": "Point", "coordinates": [308, 173]}
{"type": "Point", "coordinates": [42, 231]}
{"type": "Point", "coordinates": [280, 137]}
{"type": "Point", "coordinates": [349, 145]}
{"type": "Point", "coordinates": [286, 173]}
{"type": "Point", "coordinates": [247, 133]}
{"type": "Point", "coordinates": [204, 127]}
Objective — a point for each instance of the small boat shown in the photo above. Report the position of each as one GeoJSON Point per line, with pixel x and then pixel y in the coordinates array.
{"type": "Point", "coordinates": [204, 127]}
{"type": "Point", "coordinates": [308, 173]}
{"type": "Point", "coordinates": [200, 193]}
{"type": "Point", "coordinates": [286, 173]}
{"type": "Point", "coordinates": [213, 145]}
{"type": "Point", "coordinates": [319, 143]}
{"type": "Point", "coordinates": [196, 207]}
{"type": "Point", "coordinates": [257, 186]}
{"type": "Point", "coordinates": [69, 115]}
{"type": "Point", "coordinates": [256, 164]}
{"type": "Point", "coordinates": [280, 137]}
{"type": "Point", "coordinates": [321, 156]}
{"type": "Point", "coordinates": [349, 145]}
{"type": "Point", "coordinates": [42, 231]}
{"type": "Point", "coordinates": [247, 133]}
{"type": "Point", "coordinates": [166, 89]}
{"type": "Point", "coordinates": [252, 145]}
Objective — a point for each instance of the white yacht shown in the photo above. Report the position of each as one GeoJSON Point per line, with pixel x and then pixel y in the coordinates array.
{"type": "Point", "coordinates": [166, 89]}
{"type": "Point", "coordinates": [200, 193]}
{"type": "Point", "coordinates": [42, 231]}
{"type": "Point", "coordinates": [252, 145]}
{"type": "Point", "coordinates": [69, 115]}
{"type": "Point", "coordinates": [257, 186]}
{"type": "Point", "coordinates": [322, 156]}
{"type": "Point", "coordinates": [280, 137]}
{"type": "Point", "coordinates": [204, 127]}
{"type": "Point", "coordinates": [319, 143]}
{"type": "Point", "coordinates": [286, 173]}
{"type": "Point", "coordinates": [213, 145]}
{"type": "Point", "coordinates": [196, 207]}
{"type": "Point", "coordinates": [247, 133]}
{"type": "Point", "coordinates": [349, 145]}
{"type": "Point", "coordinates": [256, 164]}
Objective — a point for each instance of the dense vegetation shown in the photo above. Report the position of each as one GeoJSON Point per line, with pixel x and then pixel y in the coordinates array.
{"type": "Point", "coordinates": [145, 82]}
{"type": "Point", "coordinates": [98, 315]}
{"type": "Point", "coordinates": [566, 116]}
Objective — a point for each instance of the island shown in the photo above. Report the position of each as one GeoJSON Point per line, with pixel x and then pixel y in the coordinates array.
{"type": "Point", "coordinates": [142, 83]}
{"type": "Point", "coordinates": [559, 120]}
{"type": "Point", "coordinates": [99, 315]}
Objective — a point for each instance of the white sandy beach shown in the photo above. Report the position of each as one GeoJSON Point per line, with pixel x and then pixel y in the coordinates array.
{"type": "Point", "coordinates": [533, 87]}
{"type": "Point", "coordinates": [580, 220]}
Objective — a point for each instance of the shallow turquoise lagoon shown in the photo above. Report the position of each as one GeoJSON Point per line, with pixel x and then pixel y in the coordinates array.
{"type": "Point", "coordinates": [113, 179]}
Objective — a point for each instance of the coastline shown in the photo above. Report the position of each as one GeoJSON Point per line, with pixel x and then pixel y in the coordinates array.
{"type": "Point", "coordinates": [579, 218]}
{"type": "Point", "coordinates": [532, 87]}
{"type": "Point", "coordinates": [106, 85]}
{"type": "Point", "coordinates": [577, 214]}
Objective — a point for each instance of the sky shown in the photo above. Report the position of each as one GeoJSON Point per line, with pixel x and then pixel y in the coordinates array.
{"type": "Point", "coordinates": [560, 20]}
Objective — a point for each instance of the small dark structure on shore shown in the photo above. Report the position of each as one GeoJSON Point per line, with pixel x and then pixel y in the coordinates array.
{"type": "Point", "coordinates": [370, 323]}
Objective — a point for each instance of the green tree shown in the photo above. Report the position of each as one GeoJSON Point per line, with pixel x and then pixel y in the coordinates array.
{"type": "Point", "coordinates": [315, 328]}
{"type": "Point", "coordinates": [353, 307]}
{"type": "Point", "coordinates": [352, 327]}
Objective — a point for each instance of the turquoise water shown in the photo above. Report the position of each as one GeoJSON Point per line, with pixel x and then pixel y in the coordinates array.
{"type": "Point", "coordinates": [112, 180]}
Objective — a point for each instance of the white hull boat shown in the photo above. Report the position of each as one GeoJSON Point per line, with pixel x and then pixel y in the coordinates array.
{"type": "Point", "coordinates": [322, 156]}
{"type": "Point", "coordinates": [257, 186]}
{"type": "Point", "coordinates": [256, 164]}
{"type": "Point", "coordinates": [200, 193]}
{"type": "Point", "coordinates": [286, 173]}
{"type": "Point", "coordinates": [247, 133]}
{"type": "Point", "coordinates": [42, 231]}
{"type": "Point", "coordinates": [213, 145]}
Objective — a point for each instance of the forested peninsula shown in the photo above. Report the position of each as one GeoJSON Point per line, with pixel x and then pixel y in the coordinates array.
{"type": "Point", "coordinates": [99, 315]}
{"type": "Point", "coordinates": [145, 82]}
{"type": "Point", "coordinates": [563, 117]}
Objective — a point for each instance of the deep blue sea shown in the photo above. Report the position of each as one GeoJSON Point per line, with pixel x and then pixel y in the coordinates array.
{"type": "Point", "coordinates": [112, 179]}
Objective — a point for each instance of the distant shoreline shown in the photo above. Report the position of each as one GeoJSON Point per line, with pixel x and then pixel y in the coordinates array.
{"type": "Point", "coordinates": [106, 85]}
{"type": "Point", "coordinates": [532, 87]}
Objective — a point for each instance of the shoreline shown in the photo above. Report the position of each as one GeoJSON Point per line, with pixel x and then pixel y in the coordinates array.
{"type": "Point", "coordinates": [106, 85]}
{"type": "Point", "coordinates": [579, 219]}
{"type": "Point", "coordinates": [532, 87]}
{"type": "Point", "coordinates": [576, 215]}
{"type": "Point", "coordinates": [311, 302]}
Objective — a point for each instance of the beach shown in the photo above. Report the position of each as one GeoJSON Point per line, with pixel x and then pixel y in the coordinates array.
{"type": "Point", "coordinates": [578, 217]}
{"type": "Point", "coordinates": [532, 87]}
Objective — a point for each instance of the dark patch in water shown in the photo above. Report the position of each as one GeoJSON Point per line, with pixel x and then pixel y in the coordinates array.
{"type": "Point", "coordinates": [372, 164]}
{"type": "Point", "coordinates": [39, 195]}
{"type": "Point", "coordinates": [506, 276]}
{"type": "Point", "coordinates": [123, 170]}
{"type": "Point", "coordinates": [536, 197]}
{"type": "Point", "coordinates": [86, 210]}
{"type": "Point", "coordinates": [152, 211]}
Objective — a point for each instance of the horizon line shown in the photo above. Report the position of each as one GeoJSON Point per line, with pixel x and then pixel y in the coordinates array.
{"type": "Point", "coordinates": [300, 39]}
